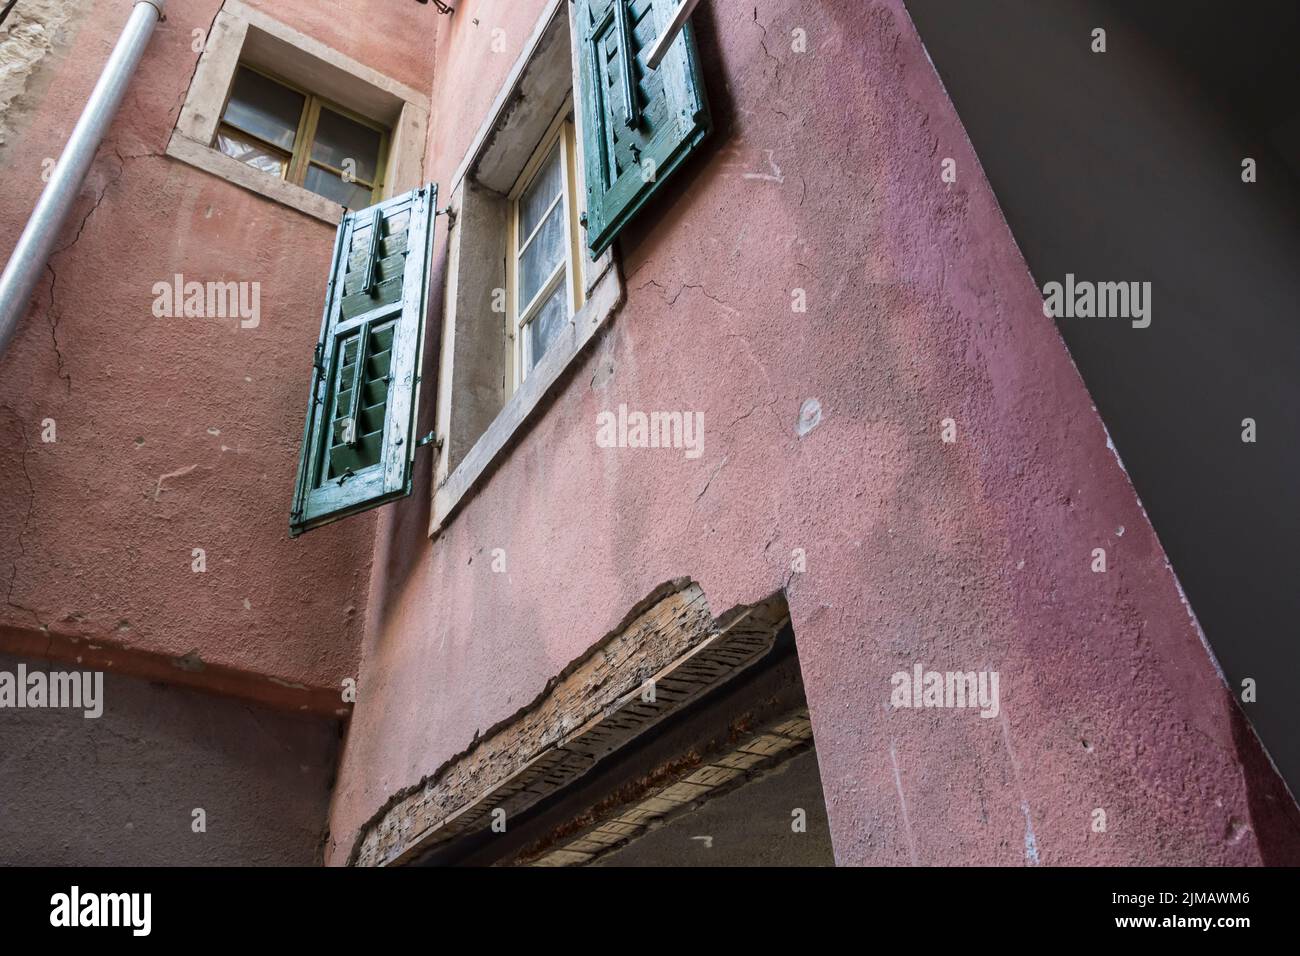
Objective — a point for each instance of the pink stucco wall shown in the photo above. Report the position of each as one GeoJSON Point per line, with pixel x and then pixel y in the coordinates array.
{"type": "Point", "coordinates": [824, 174]}
{"type": "Point", "coordinates": [174, 434]}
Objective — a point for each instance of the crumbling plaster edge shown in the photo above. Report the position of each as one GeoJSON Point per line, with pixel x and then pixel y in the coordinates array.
{"type": "Point", "coordinates": [657, 595]}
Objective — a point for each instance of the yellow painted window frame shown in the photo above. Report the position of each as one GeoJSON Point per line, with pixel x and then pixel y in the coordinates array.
{"type": "Point", "coordinates": [305, 136]}
{"type": "Point", "coordinates": [561, 130]}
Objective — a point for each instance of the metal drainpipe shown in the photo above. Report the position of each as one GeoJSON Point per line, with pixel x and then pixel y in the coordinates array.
{"type": "Point", "coordinates": [37, 241]}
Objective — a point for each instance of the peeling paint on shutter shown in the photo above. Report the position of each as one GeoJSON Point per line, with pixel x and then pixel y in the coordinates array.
{"type": "Point", "coordinates": [358, 441]}
{"type": "Point", "coordinates": [639, 125]}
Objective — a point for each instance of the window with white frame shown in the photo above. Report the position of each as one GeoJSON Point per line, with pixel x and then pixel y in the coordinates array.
{"type": "Point", "coordinates": [524, 294]}
{"type": "Point", "coordinates": [544, 289]}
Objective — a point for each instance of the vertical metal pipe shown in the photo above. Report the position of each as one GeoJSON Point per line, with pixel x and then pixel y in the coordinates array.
{"type": "Point", "coordinates": [28, 259]}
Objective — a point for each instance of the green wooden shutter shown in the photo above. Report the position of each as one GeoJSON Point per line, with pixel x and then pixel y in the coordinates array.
{"type": "Point", "coordinates": [358, 441]}
{"type": "Point", "coordinates": [632, 115]}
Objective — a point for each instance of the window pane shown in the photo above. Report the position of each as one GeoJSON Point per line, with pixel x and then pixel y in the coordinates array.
{"type": "Point", "coordinates": [546, 324]}
{"type": "Point", "coordinates": [339, 139]}
{"type": "Point", "coordinates": [264, 108]}
{"type": "Point", "coordinates": [539, 195]}
{"type": "Point", "coordinates": [543, 254]}
{"type": "Point", "coordinates": [247, 150]}
{"type": "Point", "coordinates": [327, 184]}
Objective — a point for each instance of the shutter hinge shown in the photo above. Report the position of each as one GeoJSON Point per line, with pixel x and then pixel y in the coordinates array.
{"type": "Point", "coordinates": [430, 439]}
{"type": "Point", "coordinates": [318, 358]}
{"type": "Point", "coordinates": [449, 213]}
{"type": "Point", "coordinates": [583, 219]}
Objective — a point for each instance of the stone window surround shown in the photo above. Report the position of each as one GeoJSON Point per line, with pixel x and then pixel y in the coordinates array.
{"type": "Point", "coordinates": [476, 420]}
{"type": "Point", "coordinates": [241, 33]}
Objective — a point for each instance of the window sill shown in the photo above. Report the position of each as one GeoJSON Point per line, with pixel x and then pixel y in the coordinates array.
{"type": "Point", "coordinates": [255, 180]}
{"type": "Point", "coordinates": [603, 301]}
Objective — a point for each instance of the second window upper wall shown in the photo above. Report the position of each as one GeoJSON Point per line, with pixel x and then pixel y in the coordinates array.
{"type": "Point", "coordinates": [281, 114]}
{"type": "Point", "coordinates": [580, 138]}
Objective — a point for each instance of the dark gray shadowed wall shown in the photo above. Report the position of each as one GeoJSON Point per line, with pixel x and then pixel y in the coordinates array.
{"type": "Point", "coordinates": [1126, 165]}
{"type": "Point", "coordinates": [121, 789]}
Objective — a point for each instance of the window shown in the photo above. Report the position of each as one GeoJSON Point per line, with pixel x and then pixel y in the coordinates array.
{"type": "Point", "coordinates": [581, 122]}
{"type": "Point", "coordinates": [281, 114]}
{"type": "Point", "coordinates": [281, 130]}
{"type": "Point", "coordinates": [543, 288]}
{"type": "Point", "coordinates": [527, 290]}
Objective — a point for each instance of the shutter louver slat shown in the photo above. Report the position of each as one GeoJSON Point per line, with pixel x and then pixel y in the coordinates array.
{"type": "Point", "coordinates": [357, 441]}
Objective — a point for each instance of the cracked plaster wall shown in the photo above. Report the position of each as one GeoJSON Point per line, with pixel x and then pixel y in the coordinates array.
{"type": "Point", "coordinates": [823, 175]}
{"type": "Point", "coordinates": [171, 434]}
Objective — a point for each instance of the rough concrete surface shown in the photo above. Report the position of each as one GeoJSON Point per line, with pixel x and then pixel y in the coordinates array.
{"type": "Point", "coordinates": [121, 789]}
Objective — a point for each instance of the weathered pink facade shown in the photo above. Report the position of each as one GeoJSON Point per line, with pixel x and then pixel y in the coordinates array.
{"type": "Point", "coordinates": [822, 175]}
{"type": "Point", "coordinates": [174, 433]}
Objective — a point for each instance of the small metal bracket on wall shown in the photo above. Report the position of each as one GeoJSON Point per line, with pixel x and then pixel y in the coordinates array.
{"type": "Point", "coordinates": [442, 7]}
{"type": "Point", "coordinates": [430, 439]}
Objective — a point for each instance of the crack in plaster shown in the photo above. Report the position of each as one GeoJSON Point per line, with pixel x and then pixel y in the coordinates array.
{"type": "Point", "coordinates": [27, 518]}
{"type": "Point", "coordinates": [710, 478]}
{"type": "Point", "coordinates": [682, 288]}
{"type": "Point", "coordinates": [762, 42]}
{"type": "Point", "coordinates": [52, 314]}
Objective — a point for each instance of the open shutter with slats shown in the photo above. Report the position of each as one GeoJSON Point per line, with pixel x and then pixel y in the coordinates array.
{"type": "Point", "coordinates": [639, 125]}
{"type": "Point", "coordinates": [358, 441]}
